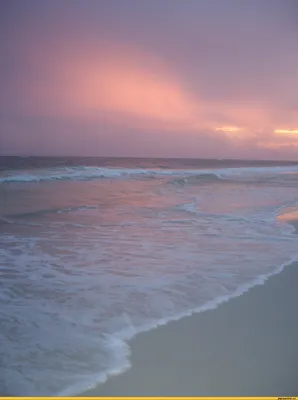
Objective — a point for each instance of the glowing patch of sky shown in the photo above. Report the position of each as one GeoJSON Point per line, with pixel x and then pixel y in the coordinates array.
{"type": "Point", "coordinates": [157, 78]}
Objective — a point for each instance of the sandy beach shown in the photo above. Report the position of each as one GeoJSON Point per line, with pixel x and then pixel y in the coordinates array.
{"type": "Point", "coordinates": [245, 347]}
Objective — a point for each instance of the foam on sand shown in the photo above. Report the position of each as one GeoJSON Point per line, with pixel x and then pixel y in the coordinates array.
{"type": "Point", "coordinates": [90, 271]}
{"type": "Point", "coordinates": [245, 347]}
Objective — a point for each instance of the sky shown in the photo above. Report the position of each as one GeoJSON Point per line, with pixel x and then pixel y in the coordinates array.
{"type": "Point", "coordinates": [149, 78]}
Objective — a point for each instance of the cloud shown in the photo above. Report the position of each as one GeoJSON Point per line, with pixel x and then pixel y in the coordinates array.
{"type": "Point", "coordinates": [179, 76]}
{"type": "Point", "coordinates": [286, 132]}
{"type": "Point", "coordinates": [116, 83]}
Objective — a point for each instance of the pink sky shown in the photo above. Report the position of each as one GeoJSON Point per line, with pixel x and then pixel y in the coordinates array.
{"type": "Point", "coordinates": [180, 79]}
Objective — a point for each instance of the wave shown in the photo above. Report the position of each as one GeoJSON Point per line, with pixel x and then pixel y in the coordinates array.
{"type": "Point", "coordinates": [79, 208]}
{"type": "Point", "coordinates": [89, 173]}
{"type": "Point", "coordinates": [4, 220]}
{"type": "Point", "coordinates": [198, 179]}
{"type": "Point", "coordinates": [38, 213]}
{"type": "Point", "coordinates": [192, 208]}
{"type": "Point", "coordinates": [118, 342]}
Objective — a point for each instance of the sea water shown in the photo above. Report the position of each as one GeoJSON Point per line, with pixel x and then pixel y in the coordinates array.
{"type": "Point", "coordinates": [94, 251]}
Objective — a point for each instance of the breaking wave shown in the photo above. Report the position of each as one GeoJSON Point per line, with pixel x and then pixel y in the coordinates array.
{"type": "Point", "coordinates": [89, 173]}
{"type": "Point", "coordinates": [153, 256]}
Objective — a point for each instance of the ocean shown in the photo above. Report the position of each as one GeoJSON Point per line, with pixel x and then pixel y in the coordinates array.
{"type": "Point", "coordinates": [95, 250]}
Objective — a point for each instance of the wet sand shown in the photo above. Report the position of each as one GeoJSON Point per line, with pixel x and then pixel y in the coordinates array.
{"type": "Point", "coordinates": [248, 346]}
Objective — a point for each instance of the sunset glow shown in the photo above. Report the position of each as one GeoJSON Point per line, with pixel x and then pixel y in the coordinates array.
{"type": "Point", "coordinates": [286, 132]}
{"type": "Point", "coordinates": [132, 90]}
{"type": "Point", "coordinates": [229, 129]}
{"type": "Point", "coordinates": [108, 82]}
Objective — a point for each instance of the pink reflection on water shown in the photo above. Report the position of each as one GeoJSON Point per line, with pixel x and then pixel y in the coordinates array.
{"type": "Point", "coordinates": [289, 214]}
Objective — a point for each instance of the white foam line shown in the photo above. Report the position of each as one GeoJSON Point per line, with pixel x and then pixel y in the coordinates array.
{"type": "Point", "coordinates": [84, 173]}
{"type": "Point", "coordinates": [121, 338]}
{"type": "Point", "coordinates": [5, 220]}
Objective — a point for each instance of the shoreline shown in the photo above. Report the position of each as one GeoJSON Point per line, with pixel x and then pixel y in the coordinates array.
{"type": "Point", "coordinates": [202, 355]}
